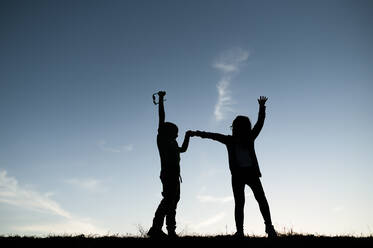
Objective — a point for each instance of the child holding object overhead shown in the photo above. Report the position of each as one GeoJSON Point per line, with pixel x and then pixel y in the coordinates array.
{"type": "Point", "coordinates": [169, 152]}
{"type": "Point", "coordinates": [244, 166]}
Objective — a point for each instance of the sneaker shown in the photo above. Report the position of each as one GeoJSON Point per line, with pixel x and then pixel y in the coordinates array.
{"type": "Point", "coordinates": [156, 233]}
{"type": "Point", "coordinates": [271, 232]}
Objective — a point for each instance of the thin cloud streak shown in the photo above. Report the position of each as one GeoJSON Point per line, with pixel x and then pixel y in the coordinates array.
{"type": "Point", "coordinates": [102, 144]}
{"type": "Point", "coordinates": [89, 184]}
{"type": "Point", "coordinates": [213, 199]}
{"type": "Point", "coordinates": [229, 63]}
{"type": "Point", "coordinates": [14, 194]}
{"type": "Point", "coordinates": [225, 68]}
{"type": "Point", "coordinates": [224, 99]}
{"type": "Point", "coordinates": [210, 221]}
{"type": "Point", "coordinates": [65, 227]}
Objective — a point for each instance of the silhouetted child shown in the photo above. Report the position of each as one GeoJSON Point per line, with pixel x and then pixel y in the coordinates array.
{"type": "Point", "coordinates": [169, 152]}
{"type": "Point", "coordinates": [243, 165]}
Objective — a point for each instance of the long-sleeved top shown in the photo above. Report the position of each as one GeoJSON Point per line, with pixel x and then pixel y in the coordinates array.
{"type": "Point", "coordinates": [233, 143]}
{"type": "Point", "coordinates": [170, 156]}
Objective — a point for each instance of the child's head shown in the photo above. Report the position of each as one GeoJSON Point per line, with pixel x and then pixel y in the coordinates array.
{"type": "Point", "coordinates": [168, 130]}
{"type": "Point", "coordinates": [241, 126]}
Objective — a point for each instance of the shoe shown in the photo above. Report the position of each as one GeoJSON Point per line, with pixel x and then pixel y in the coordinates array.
{"type": "Point", "coordinates": [156, 233]}
{"type": "Point", "coordinates": [172, 235]}
{"type": "Point", "coordinates": [271, 232]}
{"type": "Point", "coordinates": [239, 235]}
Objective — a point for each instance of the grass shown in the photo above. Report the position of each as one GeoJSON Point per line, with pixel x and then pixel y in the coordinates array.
{"type": "Point", "coordinates": [288, 240]}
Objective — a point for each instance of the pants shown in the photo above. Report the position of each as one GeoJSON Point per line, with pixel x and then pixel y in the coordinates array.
{"type": "Point", "coordinates": [167, 206]}
{"type": "Point", "coordinates": [238, 185]}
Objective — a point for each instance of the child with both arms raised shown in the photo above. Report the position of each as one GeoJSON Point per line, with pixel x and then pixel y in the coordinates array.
{"type": "Point", "coordinates": [244, 166]}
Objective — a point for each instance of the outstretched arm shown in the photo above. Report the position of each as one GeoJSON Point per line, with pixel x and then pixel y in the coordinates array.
{"type": "Point", "coordinates": [185, 145]}
{"type": "Point", "coordinates": [214, 136]}
{"type": "Point", "coordinates": [161, 112]}
{"type": "Point", "coordinates": [261, 116]}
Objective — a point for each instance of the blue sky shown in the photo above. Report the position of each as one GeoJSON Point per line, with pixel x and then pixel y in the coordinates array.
{"type": "Point", "coordinates": [78, 126]}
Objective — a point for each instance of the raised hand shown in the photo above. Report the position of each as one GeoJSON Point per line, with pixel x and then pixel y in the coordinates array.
{"type": "Point", "coordinates": [262, 100]}
{"type": "Point", "coordinates": [161, 93]}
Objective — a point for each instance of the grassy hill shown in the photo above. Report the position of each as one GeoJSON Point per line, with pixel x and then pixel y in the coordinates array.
{"type": "Point", "coordinates": [187, 241]}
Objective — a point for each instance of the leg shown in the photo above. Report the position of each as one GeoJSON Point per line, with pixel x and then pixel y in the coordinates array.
{"type": "Point", "coordinates": [164, 205]}
{"type": "Point", "coordinates": [257, 188]}
{"type": "Point", "coordinates": [174, 194]}
{"type": "Point", "coordinates": [238, 187]}
{"type": "Point", "coordinates": [161, 211]}
{"type": "Point", "coordinates": [156, 230]}
{"type": "Point", "coordinates": [258, 191]}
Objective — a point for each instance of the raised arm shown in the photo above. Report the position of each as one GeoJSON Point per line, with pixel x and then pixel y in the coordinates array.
{"type": "Point", "coordinates": [161, 112]}
{"type": "Point", "coordinates": [214, 136]}
{"type": "Point", "coordinates": [185, 145]}
{"type": "Point", "coordinates": [261, 116]}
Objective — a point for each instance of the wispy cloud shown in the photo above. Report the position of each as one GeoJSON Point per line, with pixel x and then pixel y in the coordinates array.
{"type": "Point", "coordinates": [338, 209]}
{"type": "Point", "coordinates": [225, 102]}
{"type": "Point", "coordinates": [213, 199]}
{"type": "Point", "coordinates": [14, 194]}
{"type": "Point", "coordinates": [210, 221]}
{"type": "Point", "coordinates": [228, 64]}
{"type": "Point", "coordinates": [128, 148]}
{"type": "Point", "coordinates": [69, 226]}
{"type": "Point", "coordinates": [102, 144]}
{"type": "Point", "coordinates": [89, 184]}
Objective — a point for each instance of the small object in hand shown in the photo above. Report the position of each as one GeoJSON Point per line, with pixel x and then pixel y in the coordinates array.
{"type": "Point", "coordinates": [160, 94]}
{"type": "Point", "coordinates": [153, 96]}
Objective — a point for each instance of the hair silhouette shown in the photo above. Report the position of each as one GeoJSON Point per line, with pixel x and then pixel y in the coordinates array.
{"type": "Point", "coordinates": [168, 130]}
{"type": "Point", "coordinates": [241, 126]}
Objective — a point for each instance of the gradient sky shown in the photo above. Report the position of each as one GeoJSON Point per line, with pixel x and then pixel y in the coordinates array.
{"type": "Point", "coordinates": [78, 127]}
